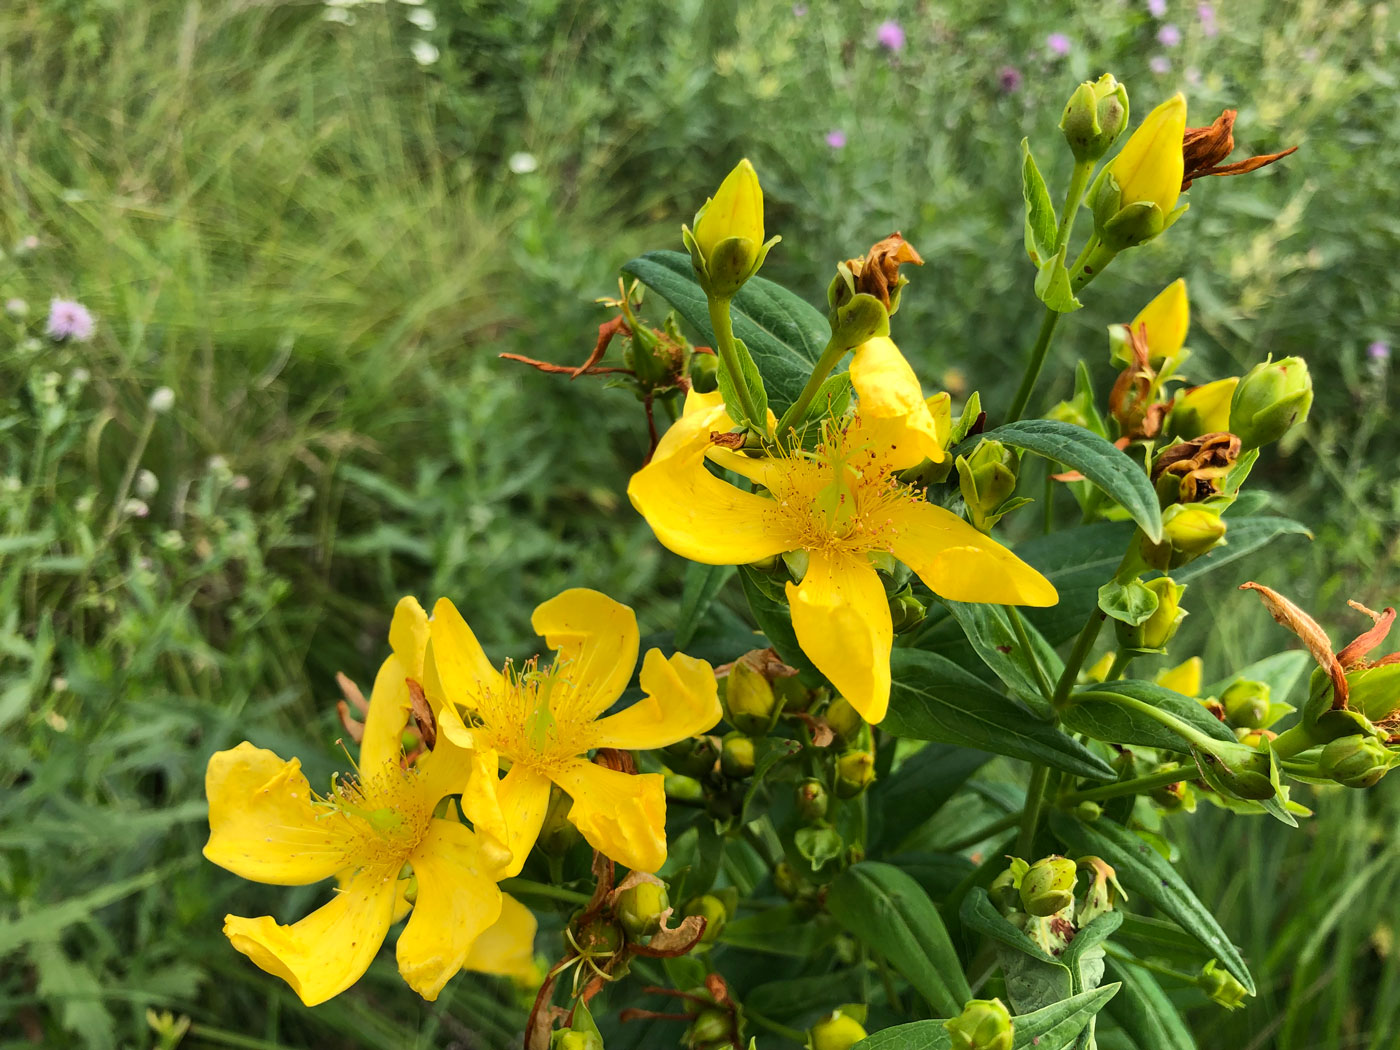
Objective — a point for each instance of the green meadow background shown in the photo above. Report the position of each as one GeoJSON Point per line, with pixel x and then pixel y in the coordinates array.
{"type": "Point", "coordinates": [319, 236]}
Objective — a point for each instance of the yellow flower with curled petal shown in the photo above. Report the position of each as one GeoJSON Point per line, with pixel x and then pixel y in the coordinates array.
{"type": "Point", "coordinates": [1165, 321]}
{"type": "Point", "coordinates": [839, 503]}
{"type": "Point", "coordinates": [381, 832]}
{"type": "Point", "coordinates": [542, 721]}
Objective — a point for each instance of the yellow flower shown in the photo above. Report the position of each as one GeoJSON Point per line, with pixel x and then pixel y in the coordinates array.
{"type": "Point", "coordinates": [736, 210]}
{"type": "Point", "coordinates": [1165, 320]}
{"type": "Point", "coordinates": [839, 504]}
{"type": "Point", "coordinates": [1184, 678]}
{"type": "Point", "coordinates": [1150, 167]}
{"type": "Point", "coordinates": [542, 721]}
{"type": "Point", "coordinates": [381, 832]}
{"type": "Point", "coordinates": [1204, 409]}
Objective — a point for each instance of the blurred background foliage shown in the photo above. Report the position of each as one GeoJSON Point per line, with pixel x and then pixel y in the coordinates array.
{"type": "Point", "coordinates": [318, 232]}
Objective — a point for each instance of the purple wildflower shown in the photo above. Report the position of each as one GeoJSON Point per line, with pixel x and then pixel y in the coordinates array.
{"type": "Point", "coordinates": [69, 320]}
{"type": "Point", "coordinates": [1169, 35]}
{"type": "Point", "coordinates": [1206, 14]}
{"type": "Point", "coordinates": [890, 34]}
{"type": "Point", "coordinates": [1160, 64]}
{"type": "Point", "coordinates": [1058, 43]}
{"type": "Point", "coordinates": [1009, 77]}
{"type": "Point", "coordinates": [836, 139]}
{"type": "Point", "coordinates": [1193, 76]}
{"type": "Point", "coordinates": [1378, 351]}
{"type": "Point", "coordinates": [1157, 8]}
{"type": "Point", "coordinates": [799, 10]}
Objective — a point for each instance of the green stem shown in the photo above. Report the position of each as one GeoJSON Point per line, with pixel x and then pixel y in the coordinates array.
{"type": "Point", "coordinates": [541, 889]}
{"type": "Point", "coordinates": [1121, 659]}
{"type": "Point", "coordinates": [1090, 264]}
{"type": "Point", "coordinates": [1035, 803]}
{"type": "Point", "coordinates": [1088, 634]}
{"type": "Point", "coordinates": [776, 1028]}
{"type": "Point", "coordinates": [1078, 183]}
{"type": "Point", "coordinates": [1037, 361]}
{"type": "Point", "coordinates": [1135, 786]}
{"type": "Point", "coordinates": [1008, 821]}
{"type": "Point", "coordinates": [729, 359]}
{"type": "Point", "coordinates": [1019, 626]}
{"type": "Point", "coordinates": [831, 356]}
{"type": "Point", "coordinates": [1292, 742]}
{"type": "Point", "coordinates": [1165, 971]}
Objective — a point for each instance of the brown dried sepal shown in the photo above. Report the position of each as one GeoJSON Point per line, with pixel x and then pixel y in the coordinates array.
{"type": "Point", "coordinates": [1202, 150]}
{"type": "Point", "coordinates": [1200, 465]}
{"type": "Point", "coordinates": [765, 661]}
{"type": "Point", "coordinates": [422, 714]}
{"type": "Point", "coordinates": [1310, 633]}
{"type": "Point", "coordinates": [822, 733]}
{"type": "Point", "coordinates": [616, 760]}
{"type": "Point", "coordinates": [1355, 653]}
{"type": "Point", "coordinates": [878, 273]}
{"type": "Point", "coordinates": [733, 440]}
{"type": "Point", "coordinates": [1128, 402]}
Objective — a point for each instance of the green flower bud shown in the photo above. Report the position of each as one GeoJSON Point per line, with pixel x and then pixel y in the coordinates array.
{"type": "Point", "coordinates": [704, 373]}
{"type": "Point", "coordinates": [1221, 986]}
{"type": "Point", "coordinates": [597, 936]}
{"type": "Point", "coordinates": [570, 1039]}
{"type": "Point", "coordinates": [811, 800]}
{"type": "Point", "coordinates": [1175, 798]}
{"type": "Point", "coordinates": [712, 910]}
{"type": "Point", "coordinates": [987, 478]}
{"type": "Point", "coordinates": [1236, 770]}
{"type": "Point", "coordinates": [1069, 412]}
{"type": "Point", "coordinates": [1355, 761]}
{"type": "Point", "coordinates": [1159, 628]}
{"type": "Point", "coordinates": [861, 318]}
{"type": "Point", "coordinates": [712, 1027]}
{"type": "Point", "coordinates": [694, 757]}
{"type": "Point", "coordinates": [1272, 398]}
{"type": "Point", "coordinates": [558, 834]}
{"type": "Point", "coordinates": [1247, 703]}
{"type": "Point", "coordinates": [1188, 531]}
{"type": "Point", "coordinates": [1095, 116]}
{"type": "Point", "coordinates": [749, 703]}
{"type": "Point", "coordinates": [984, 1024]}
{"type": "Point", "coordinates": [1005, 890]}
{"type": "Point", "coordinates": [1048, 887]}
{"type": "Point", "coordinates": [794, 695]}
{"type": "Point", "coordinates": [737, 757]}
{"type": "Point", "coordinates": [906, 611]}
{"type": "Point", "coordinates": [844, 720]}
{"type": "Point", "coordinates": [1088, 812]}
{"type": "Point", "coordinates": [639, 908]}
{"type": "Point", "coordinates": [726, 245]}
{"type": "Point", "coordinates": [838, 1030]}
{"type": "Point", "coordinates": [786, 880]}
{"type": "Point", "coordinates": [1374, 691]}
{"type": "Point", "coordinates": [686, 788]}
{"type": "Point", "coordinates": [855, 771]}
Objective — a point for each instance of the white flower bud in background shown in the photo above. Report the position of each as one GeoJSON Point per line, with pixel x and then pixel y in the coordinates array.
{"type": "Point", "coordinates": [162, 400]}
{"type": "Point", "coordinates": [147, 484]}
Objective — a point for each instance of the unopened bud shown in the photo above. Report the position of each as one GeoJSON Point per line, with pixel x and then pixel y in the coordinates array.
{"type": "Point", "coordinates": [704, 373]}
{"type": "Point", "coordinates": [1203, 409]}
{"type": "Point", "coordinates": [838, 1030]}
{"type": "Point", "coordinates": [906, 611]}
{"type": "Point", "coordinates": [1272, 398]}
{"type": "Point", "coordinates": [1159, 628]}
{"type": "Point", "coordinates": [1088, 812]}
{"type": "Point", "coordinates": [712, 1027]}
{"type": "Point", "coordinates": [737, 756]}
{"type": "Point", "coordinates": [811, 800]}
{"type": "Point", "coordinates": [786, 880]}
{"type": "Point", "coordinates": [984, 1024]}
{"type": "Point", "coordinates": [693, 757]}
{"type": "Point", "coordinates": [1236, 770]}
{"type": "Point", "coordinates": [727, 245]}
{"type": "Point", "coordinates": [857, 319]}
{"type": "Point", "coordinates": [572, 1039]}
{"type": "Point", "coordinates": [1048, 887]}
{"type": "Point", "coordinates": [639, 908]}
{"type": "Point", "coordinates": [1188, 531]}
{"type": "Point", "coordinates": [558, 834]}
{"type": "Point", "coordinates": [748, 699]}
{"type": "Point", "coordinates": [1095, 116]}
{"type": "Point", "coordinates": [712, 910]}
{"type": "Point", "coordinates": [1005, 890]}
{"type": "Point", "coordinates": [1355, 761]}
{"type": "Point", "coordinates": [1138, 190]}
{"type": "Point", "coordinates": [1221, 986]}
{"type": "Point", "coordinates": [987, 478]}
{"type": "Point", "coordinates": [1247, 703]}
{"type": "Point", "coordinates": [855, 771]}
{"type": "Point", "coordinates": [844, 720]}
{"type": "Point", "coordinates": [1175, 798]}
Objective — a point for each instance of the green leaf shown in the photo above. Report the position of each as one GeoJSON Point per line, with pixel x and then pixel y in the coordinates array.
{"type": "Point", "coordinates": [1133, 602]}
{"type": "Point", "coordinates": [916, 790]}
{"type": "Point", "coordinates": [771, 752]}
{"type": "Point", "coordinates": [1052, 285]}
{"type": "Point", "coordinates": [1101, 718]}
{"type": "Point", "coordinates": [1281, 673]}
{"type": "Point", "coordinates": [774, 620]}
{"type": "Point", "coordinates": [1050, 1028]}
{"type": "Point", "coordinates": [729, 390]}
{"type": "Point", "coordinates": [784, 334]}
{"type": "Point", "coordinates": [933, 698]}
{"type": "Point", "coordinates": [1076, 561]}
{"type": "Point", "coordinates": [702, 584]}
{"type": "Point", "coordinates": [1033, 977]}
{"type": "Point", "coordinates": [1041, 223]}
{"type": "Point", "coordinates": [1143, 1010]}
{"type": "Point", "coordinates": [1243, 537]}
{"type": "Point", "coordinates": [989, 629]}
{"type": "Point", "coordinates": [1112, 470]}
{"type": "Point", "coordinates": [1145, 873]}
{"type": "Point", "coordinates": [891, 915]}
{"type": "Point", "coordinates": [1085, 954]}
{"type": "Point", "coordinates": [780, 931]}
{"type": "Point", "coordinates": [795, 996]}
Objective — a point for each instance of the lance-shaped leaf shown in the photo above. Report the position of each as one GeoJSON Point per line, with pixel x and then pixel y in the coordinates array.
{"type": "Point", "coordinates": [1143, 1010]}
{"type": "Point", "coordinates": [1033, 977]}
{"type": "Point", "coordinates": [1052, 1027]}
{"type": "Point", "coordinates": [774, 620]}
{"type": "Point", "coordinates": [702, 584]}
{"type": "Point", "coordinates": [1096, 712]}
{"type": "Point", "coordinates": [990, 630]}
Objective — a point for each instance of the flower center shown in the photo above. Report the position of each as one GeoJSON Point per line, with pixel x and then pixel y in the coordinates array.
{"type": "Point", "coordinates": [539, 717]}
{"type": "Point", "coordinates": [840, 496]}
{"type": "Point", "coordinates": [386, 814]}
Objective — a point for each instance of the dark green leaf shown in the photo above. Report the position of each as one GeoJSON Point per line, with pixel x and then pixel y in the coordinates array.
{"type": "Point", "coordinates": [1143, 1011]}
{"type": "Point", "coordinates": [702, 583]}
{"type": "Point", "coordinates": [989, 629]}
{"type": "Point", "coordinates": [753, 379]}
{"type": "Point", "coordinates": [1242, 537]}
{"type": "Point", "coordinates": [979, 913]}
{"type": "Point", "coordinates": [1050, 1028]}
{"type": "Point", "coordinates": [1143, 872]}
{"type": "Point", "coordinates": [774, 620]}
{"type": "Point", "coordinates": [1162, 938]}
{"type": "Point", "coordinates": [1093, 713]}
{"type": "Point", "coordinates": [798, 995]}
{"type": "Point", "coordinates": [1077, 561]}
{"type": "Point", "coordinates": [1113, 471]}
{"type": "Point", "coordinates": [771, 752]}
{"type": "Point", "coordinates": [891, 915]}
{"type": "Point", "coordinates": [779, 931]}
{"type": "Point", "coordinates": [935, 699]}
{"type": "Point", "coordinates": [1085, 953]}
{"type": "Point", "coordinates": [918, 789]}
{"type": "Point", "coordinates": [784, 334]}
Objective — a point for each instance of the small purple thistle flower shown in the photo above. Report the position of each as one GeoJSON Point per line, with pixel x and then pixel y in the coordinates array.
{"type": "Point", "coordinates": [836, 139]}
{"type": "Point", "coordinates": [1378, 351]}
{"type": "Point", "coordinates": [1157, 8]}
{"type": "Point", "coordinates": [1169, 35]}
{"type": "Point", "coordinates": [69, 320]}
{"type": "Point", "coordinates": [1058, 44]}
{"type": "Point", "coordinates": [1160, 64]}
{"type": "Point", "coordinates": [1009, 78]}
{"type": "Point", "coordinates": [1206, 14]}
{"type": "Point", "coordinates": [890, 35]}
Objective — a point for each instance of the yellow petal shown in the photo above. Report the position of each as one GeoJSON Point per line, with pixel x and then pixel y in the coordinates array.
{"type": "Point", "coordinates": [696, 514]}
{"type": "Point", "coordinates": [408, 635]}
{"type": "Point", "coordinates": [523, 798]}
{"type": "Point", "coordinates": [445, 770]}
{"type": "Point", "coordinates": [1150, 166]}
{"type": "Point", "coordinates": [1184, 678]}
{"type": "Point", "coordinates": [389, 705]}
{"type": "Point", "coordinates": [621, 815]}
{"type": "Point", "coordinates": [508, 947]}
{"type": "Point", "coordinates": [736, 210]}
{"type": "Point", "coordinates": [456, 662]}
{"type": "Point", "coordinates": [841, 617]}
{"type": "Point", "coordinates": [958, 562]}
{"type": "Point", "coordinates": [458, 900]}
{"type": "Point", "coordinates": [326, 952]}
{"type": "Point", "coordinates": [892, 409]}
{"type": "Point", "coordinates": [681, 700]}
{"type": "Point", "coordinates": [1166, 319]}
{"type": "Point", "coordinates": [597, 642]}
{"type": "Point", "coordinates": [262, 824]}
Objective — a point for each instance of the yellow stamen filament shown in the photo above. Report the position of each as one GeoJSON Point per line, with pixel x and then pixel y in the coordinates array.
{"type": "Point", "coordinates": [539, 718]}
